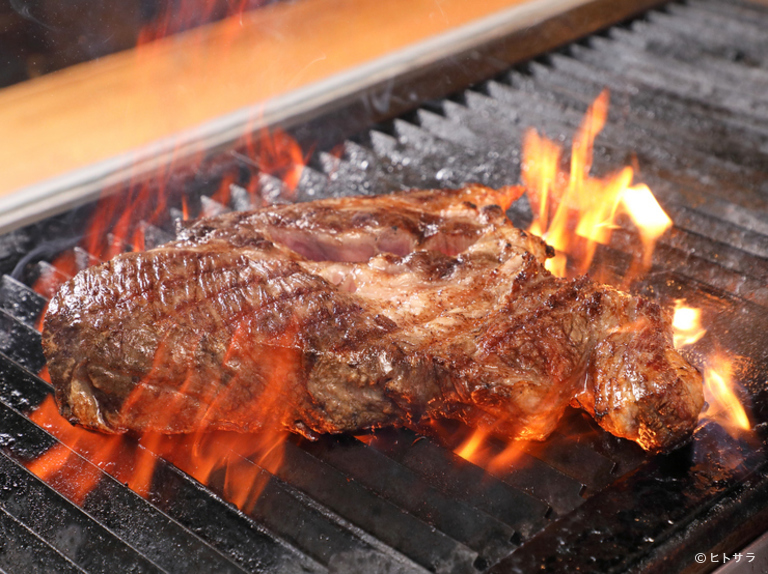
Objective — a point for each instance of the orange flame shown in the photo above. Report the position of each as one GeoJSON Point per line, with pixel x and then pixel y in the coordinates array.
{"type": "Point", "coordinates": [64, 466]}
{"type": "Point", "coordinates": [117, 223]}
{"type": "Point", "coordinates": [222, 195]}
{"type": "Point", "coordinates": [63, 268]}
{"type": "Point", "coordinates": [70, 466]}
{"type": "Point", "coordinates": [720, 387]}
{"type": "Point", "coordinates": [720, 391]}
{"type": "Point", "coordinates": [686, 325]}
{"type": "Point", "coordinates": [469, 449]}
{"type": "Point", "coordinates": [482, 449]}
{"type": "Point", "coordinates": [276, 153]}
{"type": "Point", "coordinates": [650, 219]}
{"type": "Point", "coordinates": [247, 459]}
{"type": "Point", "coordinates": [573, 211]}
{"type": "Point", "coordinates": [186, 14]}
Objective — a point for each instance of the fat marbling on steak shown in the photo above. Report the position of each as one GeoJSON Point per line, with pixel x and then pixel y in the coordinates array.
{"type": "Point", "coordinates": [349, 314]}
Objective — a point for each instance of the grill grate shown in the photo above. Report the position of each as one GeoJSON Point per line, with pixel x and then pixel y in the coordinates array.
{"type": "Point", "coordinates": [689, 102]}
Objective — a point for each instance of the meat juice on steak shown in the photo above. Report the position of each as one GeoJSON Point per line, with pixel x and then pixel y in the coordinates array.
{"type": "Point", "coordinates": [358, 313]}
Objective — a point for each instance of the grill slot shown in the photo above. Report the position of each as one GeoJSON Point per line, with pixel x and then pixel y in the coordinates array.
{"type": "Point", "coordinates": [18, 301]}
{"type": "Point", "coordinates": [456, 477]}
{"type": "Point", "coordinates": [21, 546]}
{"type": "Point", "coordinates": [689, 101]}
{"type": "Point", "coordinates": [21, 342]}
{"type": "Point", "coordinates": [610, 531]}
{"type": "Point", "coordinates": [72, 532]}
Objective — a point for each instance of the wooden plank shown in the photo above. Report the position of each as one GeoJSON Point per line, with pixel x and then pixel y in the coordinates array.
{"type": "Point", "coordinates": [75, 117]}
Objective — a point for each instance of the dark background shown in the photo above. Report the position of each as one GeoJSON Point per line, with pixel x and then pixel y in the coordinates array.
{"type": "Point", "coordinates": [41, 36]}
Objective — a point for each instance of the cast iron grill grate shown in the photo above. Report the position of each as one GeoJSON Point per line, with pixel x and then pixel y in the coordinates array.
{"type": "Point", "coordinates": [689, 102]}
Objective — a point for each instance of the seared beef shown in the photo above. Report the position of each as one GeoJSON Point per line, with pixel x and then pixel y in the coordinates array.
{"type": "Point", "coordinates": [349, 314]}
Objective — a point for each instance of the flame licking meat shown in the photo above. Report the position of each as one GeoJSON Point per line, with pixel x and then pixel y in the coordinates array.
{"type": "Point", "coordinates": [512, 374]}
{"type": "Point", "coordinates": [725, 408]}
{"type": "Point", "coordinates": [114, 228]}
{"type": "Point", "coordinates": [574, 211]}
{"type": "Point", "coordinates": [358, 313]}
{"type": "Point", "coordinates": [720, 387]}
{"type": "Point", "coordinates": [242, 457]}
{"type": "Point", "coordinates": [72, 466]}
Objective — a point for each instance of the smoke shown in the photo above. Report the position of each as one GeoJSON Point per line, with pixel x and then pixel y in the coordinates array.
{"type": "Point", "coordinates": [22, 9]}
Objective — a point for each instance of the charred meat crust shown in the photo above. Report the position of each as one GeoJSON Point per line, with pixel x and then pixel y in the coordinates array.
{"type": "Point", "coordinates": [350, 314]}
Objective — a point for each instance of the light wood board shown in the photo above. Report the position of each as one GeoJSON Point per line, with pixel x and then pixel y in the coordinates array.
{"type": "Point", "coordinates": [93, 111]}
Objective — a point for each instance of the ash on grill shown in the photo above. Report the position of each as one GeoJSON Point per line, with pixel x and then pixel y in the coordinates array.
{"type": "Point", "coordinates": [689, 108]}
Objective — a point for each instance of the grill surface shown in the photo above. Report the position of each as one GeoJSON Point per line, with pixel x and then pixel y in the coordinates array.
{"type": "Point", "coordinates": [689, 102]}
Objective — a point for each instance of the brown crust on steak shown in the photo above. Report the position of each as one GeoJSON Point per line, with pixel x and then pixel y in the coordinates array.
{"type": "Point", "coordinates": [350, 314]}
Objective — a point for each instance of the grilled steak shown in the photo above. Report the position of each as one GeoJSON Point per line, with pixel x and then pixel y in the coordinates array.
{"type": "Point", "coordinates": [349, 314]}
